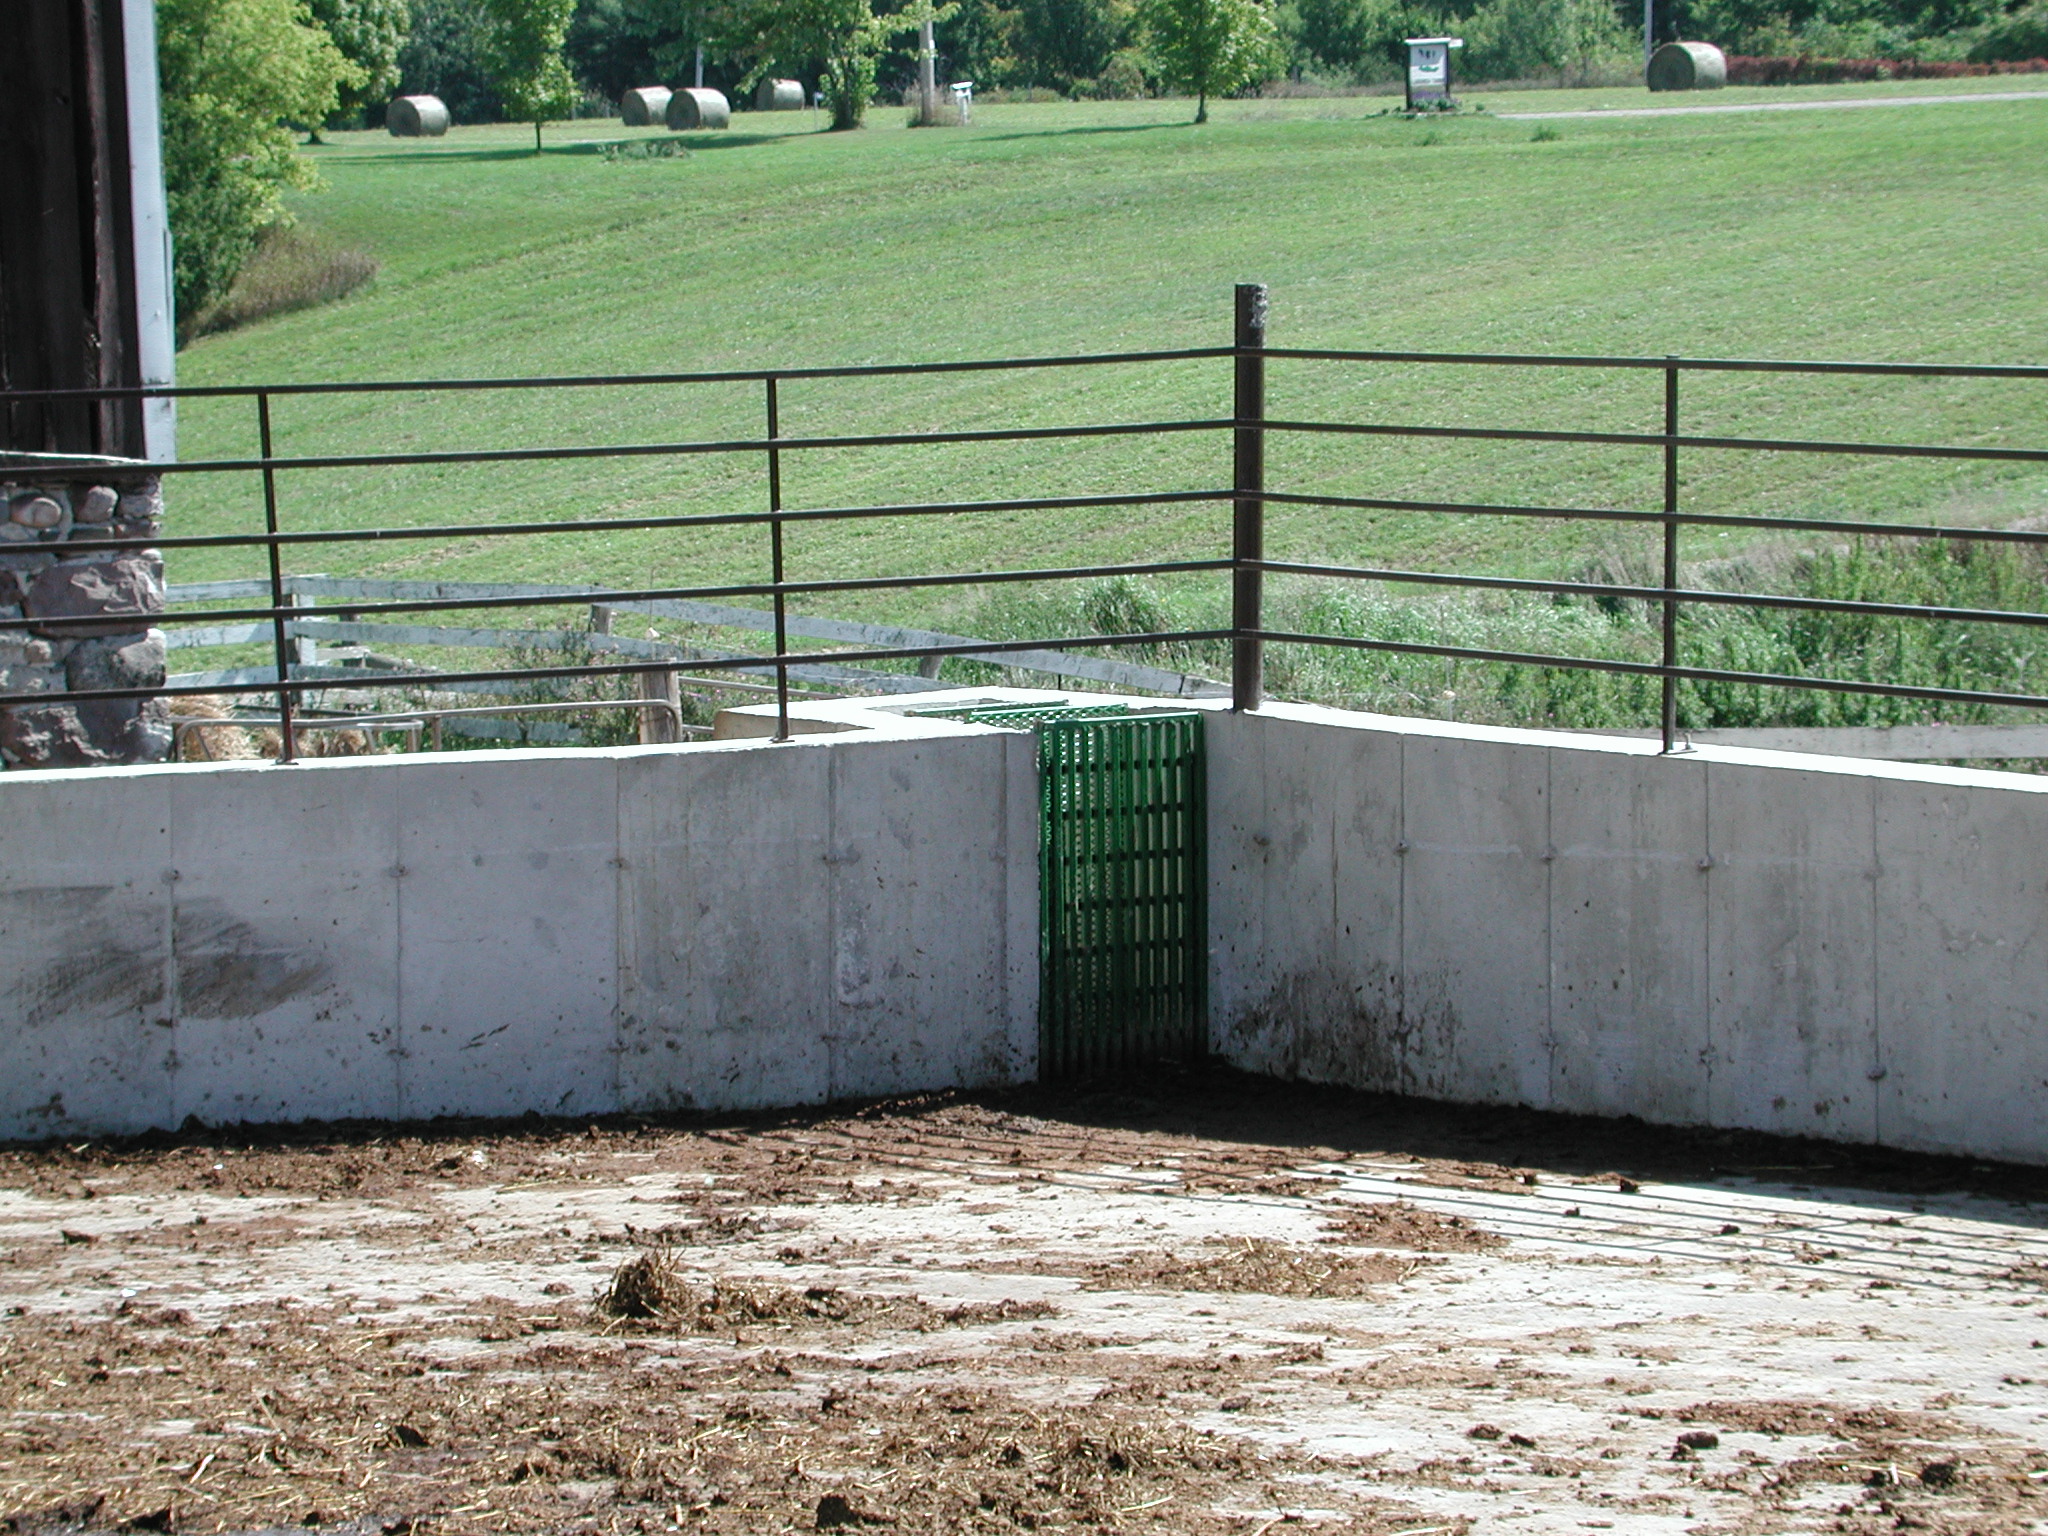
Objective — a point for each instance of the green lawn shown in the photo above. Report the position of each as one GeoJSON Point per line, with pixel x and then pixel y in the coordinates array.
{"type": "Point", "coordinates": [1907, 234]}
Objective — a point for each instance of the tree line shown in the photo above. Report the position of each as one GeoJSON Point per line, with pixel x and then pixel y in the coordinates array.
{"type": "Point", "coordinates": [244, 80]}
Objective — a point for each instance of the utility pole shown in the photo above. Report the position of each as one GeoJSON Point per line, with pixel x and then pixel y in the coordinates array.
{"type": "Point", "coordinates": [1649, 31]}
{"type": "Point", "coordinates": [927, 68]}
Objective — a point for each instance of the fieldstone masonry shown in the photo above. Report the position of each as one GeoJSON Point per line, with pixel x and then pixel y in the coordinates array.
{"type": "Point", "coordinates": [49, 569]}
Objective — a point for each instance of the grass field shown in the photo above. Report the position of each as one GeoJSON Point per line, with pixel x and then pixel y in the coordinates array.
{"type": "Point", "coordinates": [1900, 234]}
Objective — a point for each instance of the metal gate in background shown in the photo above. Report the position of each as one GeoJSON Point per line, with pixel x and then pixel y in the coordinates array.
{"type": "Point", "coordinates": [1122, 927]}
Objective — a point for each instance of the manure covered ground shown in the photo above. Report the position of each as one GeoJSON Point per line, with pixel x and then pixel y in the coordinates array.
{"type": "Point", "coordinates": [1221, 1306]}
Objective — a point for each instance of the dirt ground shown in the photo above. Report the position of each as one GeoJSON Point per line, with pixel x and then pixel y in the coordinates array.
{"type": "Point", "coordinates": [1222, 1305]}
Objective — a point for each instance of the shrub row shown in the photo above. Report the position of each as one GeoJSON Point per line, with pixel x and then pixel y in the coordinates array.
{"type": "Point", "coordinates": [1745, 69]}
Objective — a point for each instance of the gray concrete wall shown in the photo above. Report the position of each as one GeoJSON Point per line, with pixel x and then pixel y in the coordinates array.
{"type": "Point", "coordinates": [1822, 947]}
{"type": "Point", "coordinates": [1827, 947]}
{"type": "Point", "coordinates": [713, 926]}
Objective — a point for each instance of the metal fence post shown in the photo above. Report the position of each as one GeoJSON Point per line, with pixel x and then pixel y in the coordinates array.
{"type": "Point", "coordinates": [1670, 650]}
{"type": "Point", "coordinates": [288, 748]}
{"type": "Point", "coordinates": [1248, 519]}
{"type": "Point", "coordinates": [775, 562]}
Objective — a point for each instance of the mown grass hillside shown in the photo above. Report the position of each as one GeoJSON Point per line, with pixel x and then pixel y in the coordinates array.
{"type": "Point", "coordinates": [1908, 234]}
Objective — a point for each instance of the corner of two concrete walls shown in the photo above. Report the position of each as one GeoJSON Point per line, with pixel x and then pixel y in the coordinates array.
{"type": "Point", "coordinates": [1726, 938]}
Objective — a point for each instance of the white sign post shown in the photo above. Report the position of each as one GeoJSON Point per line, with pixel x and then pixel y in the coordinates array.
{"type": "Point", "coordinates": [1429, 71]}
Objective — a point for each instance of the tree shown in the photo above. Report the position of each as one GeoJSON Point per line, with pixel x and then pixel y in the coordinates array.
{"type": "Point", "coordinates": [234, 74]}
{"type": "Point", "coordinates": [1363, 37]}
{"type": "Point", "coordinates": [444, 57]}
{"type": "Point", "coordinates": [522, 50]}
{"type": "Point", "coordinates": [370, 35]}
{"type": "Point", "coordinates": [845, 35]}
{"type": "Point", "coordinates": [1211, 47]}
{"type": "Point", "coordinates": [1062, 41]}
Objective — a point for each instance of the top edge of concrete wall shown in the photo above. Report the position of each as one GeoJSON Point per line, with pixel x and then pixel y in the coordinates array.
{"type": "Point", "coordinates": [748, 728]}
{"type": "Point", "coordinates": [1636, 746]}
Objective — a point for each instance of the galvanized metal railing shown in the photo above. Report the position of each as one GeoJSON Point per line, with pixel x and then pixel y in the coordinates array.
{"type": "Point", "coordinates": [1248, 426]}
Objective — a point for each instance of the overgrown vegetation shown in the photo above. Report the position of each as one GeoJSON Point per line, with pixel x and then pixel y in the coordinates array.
{"type": "Point", "coordinates": [290, 270]}
{"type": "Point", "coordinates": [236, 74]}
{"type": "Point", "coordinates": [1926, 653]}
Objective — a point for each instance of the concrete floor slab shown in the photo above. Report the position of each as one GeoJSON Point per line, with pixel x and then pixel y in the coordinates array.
{"type": "Point", "coordinates": [1277, 1308]}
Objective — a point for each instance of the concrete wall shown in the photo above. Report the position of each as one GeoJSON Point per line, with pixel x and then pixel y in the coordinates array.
{"type": "Point", "coordinates": [1827, 947]}
{"type": "Point", "coordinates": [490, 933]}
{"type": "Point", "coordinates": [1817, 946]}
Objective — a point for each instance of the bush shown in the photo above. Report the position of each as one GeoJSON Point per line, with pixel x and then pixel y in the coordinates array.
{"type": "Point", "coordinates": [1122, 79]}
{"type": "Point", "coordinates": [1744, 69]}
{"type": "Point", "coordinates": [1521, 39]}
{"type": "Point", "coordinates": [1846, 646]}
{"type": "Point", "coordinates": [289, 271]}
{"type": "Point", "coordinates": [2021, 36]}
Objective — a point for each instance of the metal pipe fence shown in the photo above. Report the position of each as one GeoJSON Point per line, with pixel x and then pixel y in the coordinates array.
{"type": "Point", "coordinates": [1248, 427]}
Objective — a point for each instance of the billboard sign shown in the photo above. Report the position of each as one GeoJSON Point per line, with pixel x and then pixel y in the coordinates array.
{"type": "Point", "coordinates": [1429, 71]}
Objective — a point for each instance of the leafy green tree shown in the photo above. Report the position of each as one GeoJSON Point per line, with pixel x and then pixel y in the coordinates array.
{"type": "Point", "coordinates": [522, 51]}
{"type": "Point", "coordinates": [845, 36]}
{"type": "Point", "coordinates": [444, 57]}
{"type": "Point", "coordinates": [1211, 47]}
{"type": "Point", "coordinates": [1062, 41]}
{"type": "Point", "coordinates": [1526, 39]}
{"type": "Point", "coordinates": [615, 45]}
{"type": "Point", "coordinates": [2022, 34]}
{"type": "Point", "coordinates": [1362, 37]}
{"type": "Point", "coordinates": [235, 73]}
{"type": "Point", "coordinates": [979, 42]}
{"type": "Point", "coordinates": [370, 34]}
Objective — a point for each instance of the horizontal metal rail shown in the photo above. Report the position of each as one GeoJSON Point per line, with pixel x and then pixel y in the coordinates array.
{"type": "Point", "coordinates": [603, 597]}
{"type": "Point", "coordinates": [1660, 440]}
{"type": "Point", "coordinates": [675, 520]}
{"type": "Point", "coordinates": [671, 450]}
{"type": "Point", "coordinates": [1854, 527]}
{"type": "Point", "coordinates": [1661, 364]}
{"type": "Point", "coordinates": [620, 380]}
{"type": "Point", "coordinates": [973, 650]}
{"type": "Point", "coordinates": [1655, 669]}
{"type": "Point", "coordinates": [1660, 594]}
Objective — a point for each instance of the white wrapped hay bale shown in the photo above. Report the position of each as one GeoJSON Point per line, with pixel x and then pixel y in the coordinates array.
{"type": "Point", "coordinates": [699, 107]}
{"type": "Point", "coordinates": [644, 106]}
{"type": "Point", "coordinates": [416, 117]}
{"type": "Point", "coordinates": [779, 96]}
{"type": "Point", "coordinates": [1688, 67]}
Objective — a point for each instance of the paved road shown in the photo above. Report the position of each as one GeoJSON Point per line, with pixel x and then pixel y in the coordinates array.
{"type": "Point", "coordinates": [1782, 106]}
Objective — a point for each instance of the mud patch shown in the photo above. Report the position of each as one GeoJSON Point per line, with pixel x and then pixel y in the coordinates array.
{"type": "Point", "coordinates": [1397, 1224]}
{"type": "Point", "coordinates": [1255, 1264]}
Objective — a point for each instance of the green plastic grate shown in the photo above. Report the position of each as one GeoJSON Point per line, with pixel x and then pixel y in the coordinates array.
{"type": "Point", "coordinates": [1122, 924]}
{"type": "Point", "coordinates": [1122, 928]}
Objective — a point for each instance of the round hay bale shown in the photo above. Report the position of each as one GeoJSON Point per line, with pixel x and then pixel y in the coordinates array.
{"type": "Point", "coordinates": [416, 117]}
{"type": "Point", "coordinates": [699, 107]}
{"type": "Point", "coordinates": [779, 96]}
{"type": "Point", "coordinates": [1688, 67]}
{"type": "Point", "coordinates": [644, 106]}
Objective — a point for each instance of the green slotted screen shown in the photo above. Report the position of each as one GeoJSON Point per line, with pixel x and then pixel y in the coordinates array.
{"type": "Point", "coordinates": [1122, 932]}
{"type": "Point", "coordinates": [1122, 924]}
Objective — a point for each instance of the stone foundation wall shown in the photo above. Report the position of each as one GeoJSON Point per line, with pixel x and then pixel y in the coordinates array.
{"type": "Point", "coordinates": [49, 569]}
